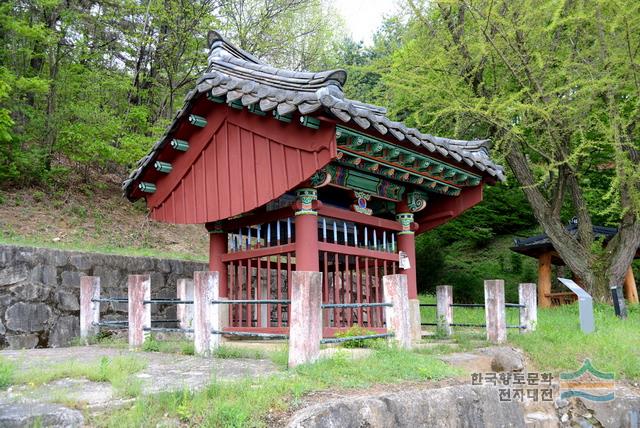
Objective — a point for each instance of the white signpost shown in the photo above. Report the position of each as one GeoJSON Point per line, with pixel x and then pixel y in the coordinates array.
{"type": "Point", "coordinates": [585, 302]}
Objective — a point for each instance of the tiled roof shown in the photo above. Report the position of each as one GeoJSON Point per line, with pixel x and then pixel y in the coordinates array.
{"type": "Point", "coordinates": [237, 75]}
{"type": "Point", "coordinates": [543, 240]}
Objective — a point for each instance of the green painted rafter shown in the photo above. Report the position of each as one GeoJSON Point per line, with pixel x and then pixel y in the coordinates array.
{"type": "Point", "coordinates": [399, 156]}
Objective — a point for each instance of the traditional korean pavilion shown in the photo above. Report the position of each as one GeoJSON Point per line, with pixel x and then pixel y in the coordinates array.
{"type": "Point", "coordinates": [541, 248]}
{"type": "Point", "coordinates": [288, 174]}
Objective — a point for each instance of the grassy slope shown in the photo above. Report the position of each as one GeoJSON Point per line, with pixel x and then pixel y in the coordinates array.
{"type": "Point", "coordinates": [91, 218]}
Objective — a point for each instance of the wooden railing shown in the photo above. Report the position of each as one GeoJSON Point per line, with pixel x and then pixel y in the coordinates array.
{"type": "Point", "coordinates": [353, 257]}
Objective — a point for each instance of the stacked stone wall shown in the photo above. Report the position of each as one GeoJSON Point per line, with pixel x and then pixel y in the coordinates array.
{"type": "Point", "coordinates": [40, 291]}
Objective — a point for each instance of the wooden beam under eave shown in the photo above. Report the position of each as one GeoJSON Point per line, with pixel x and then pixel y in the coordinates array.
{"type": "Point", "coordinates": [630, 289]}
{"type": "Point", "coordinates": [544, 280]}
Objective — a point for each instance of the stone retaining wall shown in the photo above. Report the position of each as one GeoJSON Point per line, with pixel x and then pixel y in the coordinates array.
{"type": "Point", "coordinates": [40, 291]}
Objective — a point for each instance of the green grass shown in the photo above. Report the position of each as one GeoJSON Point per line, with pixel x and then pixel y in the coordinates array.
{"type": "Point", "coordinates": [247, 402]}
{"type": "Point", "coordinates": [7, 373]}
{"type": "Point", "coordinates": [178, 346]}
{"type": "Point", "coordinates": [81, 245]}
{"type": "Point", "coordinates": [461, 315]}
{"type": "Point", "coordinates": [117, 371]}
{"type": "Point", "coordinates": [559, 344]}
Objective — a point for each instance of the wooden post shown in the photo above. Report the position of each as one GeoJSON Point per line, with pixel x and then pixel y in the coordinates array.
{"type": "Point", "coordinates": [218, 242]}
{"type": "Point", "coordinates": [407, 244]}
{"type": "Point", "coordinates": [139, 313]}
{"type": "Point", "coordinates": [184, 312]}
{"type": "Point", "coordinates": [305, 328]}
{"type": "Point", "coordinates": [529, 313]}
{"type": "Point", "coordinates": [630, 289]}
{"type": "Point", "coordinates": [444, 311]}
{"type": "Point", "coordinates": [395, 290]}
{"type": "Point", "coordinates": [544, 280]}
{"type": "Point", "coordinates": [89, 311]}
{"type": "Point", "coordinates": [206, 316]}
{"type": "Point", "coordinates": [306, 229]}
{"type": "Point", "coordinates": [495, 311]}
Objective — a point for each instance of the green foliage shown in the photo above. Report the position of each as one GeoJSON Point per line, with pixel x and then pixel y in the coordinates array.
{"type": "Point", "coordinates": [7, 373]}
{"type": "Point", "coordinates": [151, 344]}
{"type": "Point", "coordinates": [356, 330]}
{"type": "Point", "coordinates": [89, 88]}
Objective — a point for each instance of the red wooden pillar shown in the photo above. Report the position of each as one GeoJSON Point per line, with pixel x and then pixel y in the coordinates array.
{"type": "Point", "coordinates": [218, 242]}
{"type": "Point", "coordinates": [306, 226]}
{"type": "Point", "coordinates": [407, 245]}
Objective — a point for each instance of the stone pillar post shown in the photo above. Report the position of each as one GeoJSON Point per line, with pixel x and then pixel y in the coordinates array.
{"type": "Point", "coordinates": [89, 311]}
{"type": "Point", "coordinates": [139, 313]}
{"type": "Point", "coordinates": [544, 280]}
{"type": "Point", "coordinates": [407, 245]}
{"type": "Point", "coordinates": [630, 289]}
{"type": "Point", "coordinates": [444, 311]}
{"type": "Point", "coordinates": [184, 312]}
{"type": "Point", "coordinates": [528, 314]}
{"type": "Point", "coordinates": [206, 316]}
{"type": "Point", "coordinates": [306, 228]}
{"type": "Point", "coordinates": [395, 290]}
{"type": "Point", "coordinates": [305, 328]}
{"type": "Point", "coordinates": [218, 243]}
{"type": "Point", "coordinates": [495, 313]}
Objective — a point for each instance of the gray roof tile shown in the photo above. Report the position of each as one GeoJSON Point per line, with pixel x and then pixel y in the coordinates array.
{"type": "Point", "coordinates": [237, 74]}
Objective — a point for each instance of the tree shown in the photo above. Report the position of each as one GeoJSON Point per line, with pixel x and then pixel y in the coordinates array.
{"type": "Point", "coordinates": [87, 86]}
{"type": "Point", "coordinates": [556, 86]}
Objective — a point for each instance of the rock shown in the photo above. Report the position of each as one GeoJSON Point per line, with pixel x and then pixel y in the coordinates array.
{"type": "Point", "coordinates": [22, 341]}
{"type": "Point", "coordinates": [81, 261]}
{"type": "Point", "coordinates": [27, 317]}
{"type": "Point", "coordinates": [454, 406]}
{"type": "Point", "coordinates": [560, 403]}
{"type": "Point", "coordinates": [564, 418]}
{"type": "Point", "coordinates": [541, 420]}
{"type": "Point", "coordinates": [31, 291]}
{"type": "Point", "coordinates": [56, 258]}
{"type": "Point", "coordinates": [66, 328]}
{"type": "Point", "coordinates": [13, 274]}
{"type": "Point", "coordinates": [3, 330]}
{"type": "Point", "coordinates": [70, 279]}
{"type": "Point", "coordinates": [67, 301]}
{"type": "Point", "coordinates": [17, 415]}
{"type": "Point", "coordinates": [506, 359]}
{"type": "Point", "coordinates": [109, 278]}
{"type": "Point", "coordinates": [620, 412]}
{"type": "Point", "coordinates": [50, 275]}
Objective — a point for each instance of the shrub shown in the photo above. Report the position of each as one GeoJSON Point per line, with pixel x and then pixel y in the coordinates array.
{"type": "Point", "coordinates": [356, 330]}
{"type": "Point", "coordinates": [151, 345]}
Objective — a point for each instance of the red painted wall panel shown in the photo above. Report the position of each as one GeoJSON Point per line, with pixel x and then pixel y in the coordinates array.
{"type": "Point", "coordinates": [237, 163]}
{"type": "Point", "coordinates": [445, 208]}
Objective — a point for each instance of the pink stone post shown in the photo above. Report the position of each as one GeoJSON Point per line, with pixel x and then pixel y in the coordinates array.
{"type": "Point", "coordinates": [495, 311]}
{"type": "Point", "coordinates": [396, 292]}
{"type": "Point", "coordinates": [529, 313]}
{"type": "Point", "coordinates": [89, 311]}
{"type": "Point", "coordinates": [139, 313]}
{"type": "Point", "coordinates": [184, 312]}
{"type": "Point", "coordinates": [305, 330]}
{"type": "Point", "coordinates": [206, 316]}
{"type": "Point", "coordinates": [444, 311]}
